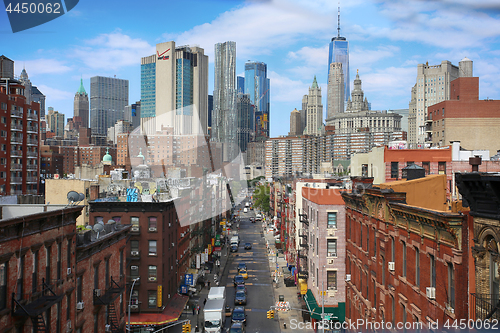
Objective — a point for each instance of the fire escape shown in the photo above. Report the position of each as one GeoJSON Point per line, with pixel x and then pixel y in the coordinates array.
{"type": "Point", "coordinates": [107, 298]}
{"type": "Point", "coordinates": [303, 272]}
{"type": "Point", "coordinates": [35, 304]}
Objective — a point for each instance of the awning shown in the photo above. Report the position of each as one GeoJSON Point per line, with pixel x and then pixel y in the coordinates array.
{"type": "Point", "coordinates": [171, 313]}
{"type": "Point", "coordinates": [336, 313]}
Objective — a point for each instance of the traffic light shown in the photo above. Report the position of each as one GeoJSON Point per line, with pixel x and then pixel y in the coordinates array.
{"type": "Point", "coordinates": [186, 328]}
{"type": "Point", "coordinates": [270, 314]}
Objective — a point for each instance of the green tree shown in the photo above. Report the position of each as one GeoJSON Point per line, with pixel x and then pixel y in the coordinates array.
{"type": "Point", "coordinates": [261, 198]}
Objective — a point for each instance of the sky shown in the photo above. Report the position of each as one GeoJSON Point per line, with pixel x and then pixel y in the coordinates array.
{"type": "Point", "coordinates": [387, 39]}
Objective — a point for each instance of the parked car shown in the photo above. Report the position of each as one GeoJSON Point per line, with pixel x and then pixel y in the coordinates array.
{"type": "Point", "coordinates": [241, 287]}
{"type": "Point", "coordinates": [241, 266]}
{"type": "Point", "coordinates": [238, 279]}
{"type": "Point", "coordinates": [234, 248]}
{"type": "Point", "coordinates": [248, 246]}
{"type": "Point", "coordinates": [239, 315]}
{"type": "Point", "coordinates": [237, 328]}
{"type": "Point", "coordinates": [240, 298]}
{"type": "Point", "coordinates": [244, 273]}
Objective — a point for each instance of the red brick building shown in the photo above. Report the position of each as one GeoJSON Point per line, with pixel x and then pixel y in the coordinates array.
{"type": "Point", "coordinates": [151, 255]}
{"type": "Point", "coordinates": [406, 263]}
{"type": "Point", "coordinates": [465, 118]}
{"type": "Point", "coordinates": [19, 140]}
{"type": "Point", "coordinates": [51, 162]}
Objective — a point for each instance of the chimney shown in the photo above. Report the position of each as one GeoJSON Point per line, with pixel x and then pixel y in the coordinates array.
{"type": "Point", "coordinates": [475, 162]}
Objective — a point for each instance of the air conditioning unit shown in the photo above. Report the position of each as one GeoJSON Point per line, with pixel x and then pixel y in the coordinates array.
{"type": "Point", "coordinates": [68, 272]}
{"type": "Point", "coordinates": [330, 261]}
{"type": "Point", "coordinates": [171, 267]}
{"type": "Point", "coordinates": [107, 328]}
{"type": "Point", "coordinates": [79, 305]}
{"type": "Point", "coordinates": [68, 326]}
{"type": "Point", "coordinates": [152, 229]}
{"type": "Point", "coordinates": [331, 232]}
{"type": "Point", "coordinates": [431, 292]}
{"type": "Point", "coordinates": [134, 268]}
{"type": "Point", "coordinates": [97, 292]}
{"type": "Point", "coordinates": [169, 224]}
{"type": "Point", "coordinates": [173, 244]}
{"type": "Point", "coordinates": [135, 229]}
{"type": "Point", "coordinates": [152, 279]}
{"type": "Point", "coordinates": [134, 307]}
{"type": "Point", "coordinates": [348, 277]}
{"type": "Point", "coordinates": [134, 253]}
{"type": "Point", "coordinates": [332, 254]}
{"type": "Point", "coordinates": [391, 265]}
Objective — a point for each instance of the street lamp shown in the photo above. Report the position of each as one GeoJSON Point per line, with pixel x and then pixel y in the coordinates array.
{"type": "Point", "coordinates": [323, 299]}
{"type": "Point", "coordinates": [130, 300]}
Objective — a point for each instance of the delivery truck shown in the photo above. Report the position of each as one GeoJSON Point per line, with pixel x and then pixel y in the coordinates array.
{"type": "Point", "coordinates": [214, 314]}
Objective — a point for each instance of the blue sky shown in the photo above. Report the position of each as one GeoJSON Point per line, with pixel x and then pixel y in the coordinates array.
{"type": "Point", "coordinates": [387, 40]}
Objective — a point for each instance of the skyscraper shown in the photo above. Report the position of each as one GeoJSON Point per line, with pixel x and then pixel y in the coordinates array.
{"type": "Point", "coordinates": [32, 93]}
{"type": "Point", "coordinates": [336, 87]}
{"type": "Point", "coordinates": [339, 52]}
{"type": "Point", "coordinates": [174, 90]}
{"type": "Point", "coordinates": [81, 108]}
{"type": "Point", "coordinates": [245, 121]}
{"type": "Point", "coordinates": [314, 109]}
{"type": "Point", "coordinates": [257, 85]}
{"type": "Point", "coordinates": [224, 116]}
{"type": "Point", "coordinates": [432, 86]}
{"type": "Point", "coordinates": [108, 98]}
{"type": "Point", "coordinates": [295, 123]}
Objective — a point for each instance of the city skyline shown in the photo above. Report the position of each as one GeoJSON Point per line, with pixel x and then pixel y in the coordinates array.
{"type": "Point", "coordinates": [387, 42]}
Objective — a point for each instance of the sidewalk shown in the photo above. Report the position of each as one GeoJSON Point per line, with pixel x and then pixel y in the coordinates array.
{"type": "Point", "coordinates": [289, 293]}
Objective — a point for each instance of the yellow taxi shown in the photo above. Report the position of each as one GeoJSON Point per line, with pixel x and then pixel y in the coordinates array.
{"type": "Point", "coordinates": [244, 273]}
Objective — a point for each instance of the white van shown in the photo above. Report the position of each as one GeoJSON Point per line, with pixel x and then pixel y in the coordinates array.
{"type": "Point", "coordinates": [245, 210]}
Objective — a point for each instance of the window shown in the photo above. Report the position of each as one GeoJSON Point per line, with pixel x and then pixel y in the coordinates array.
{"type": "Point", "coordinates": [134, 300]}
{"type": "Point", "coordinates": [393, 250]}
{"type": "Point", "coordinates": [96, 277]}
{"type": "Point", "coordinates": [393, 304]}
{"type": "Point", "coordinates": [35, 272]}
{"type": "Point", "coordinates": [151, 273]}
{"type": "Point", "coordinates": [3, 286]}
{"type": "Point", "coordinates": [134, 245]}
{"type": "Point", "coordinates": [433, 270]}
{"type": "Point", "coordinates": [375, 243]}
{"type": "Point", "coordinates": [417, 267]}
{"type": "Point", "coordinates": [79, 288]}
{"type": "Point", "coordinates": [427, 167]}
{"type": "Point", "coordinates": [332, 247]}
{"type": "Point", "coordinates": [151, 299]}
{"type": "Point", "coordinates": [404, 317]}
{"type": "Point", "coordinates": [364, 170]}
{"type": "Point", "coordinates": [442, 168]}
{"type": "Point", "coordinates": [331, 278]}
{"type": "Point", "coordinates": [361, 235]}
{"type": "Point", "coordinates": [134, 271]}
{"type": "Point", "coordinates": [152, 247]}
{"type": "Point", "coordinates": [404, 259]}
{"type": "Point", "coordinates": [368, 240]}
{"type": "Point", "coordinates": [47, 268]}
{"type": "Point", "coordinates": [68, 253]}
{"type": "Point", "coordinates": [394, 170]}
{"type": "Point", "coordinates": [59, 264]}
{"type": "Point", "coordinates": [98, 219]}
{"type": "Point", "coordinates": [106, 267]}
{"type": "Point", "coordinates": [383, 270]}
{"type": "Point", "coordinates": [451, 286]}
{"type": "Point", "coordinates": [117, 219]}
{"type": "Point", "coordinates": [374, 305]}
{"type": "Point", "coordinates": [332, 220]}
{"type": "Point", "coordinates": [134, 220]}
{"type": "Point", "coordinates": [152, 223]}
{"type": "Point", "coordinates": [68, 306]}
{"type": "Point", "coordinates": [121, 263]}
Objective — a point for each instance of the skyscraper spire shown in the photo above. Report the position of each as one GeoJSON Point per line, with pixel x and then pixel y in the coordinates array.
{"type": "Point", "coordinates": [338, 26]}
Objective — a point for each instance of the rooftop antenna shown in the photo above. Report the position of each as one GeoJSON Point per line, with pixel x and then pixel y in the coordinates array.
{"type": "Point", "coordinates": [338, 27]}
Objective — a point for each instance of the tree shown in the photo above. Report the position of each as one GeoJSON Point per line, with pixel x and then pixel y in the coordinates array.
{"type": "Point", "coordinates": [261, 198]}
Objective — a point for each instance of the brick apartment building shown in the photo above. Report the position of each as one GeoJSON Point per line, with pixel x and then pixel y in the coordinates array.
{"type": "Point", "coordinates": [322, 250]}
{"type": "Point", "coordinates": [407, 257]}
{"type": "Point", "coordinates": [46, 266]}
{"type": "Point", "coordinates": [152, 257]}
{"type": "Point", "coordinates": [465, 118]}
{"type": "Point", "coordinates": [19, 139]}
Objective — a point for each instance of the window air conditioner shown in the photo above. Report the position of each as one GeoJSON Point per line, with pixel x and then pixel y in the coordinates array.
{"type": "Point", "coordinates": [68, 272]}
{"type": "Point", "coordinates": [134, 253]}
{"type": "Point", "coordinates": [79, 305]}
{"type": "Point", "coordinates": [97, 292]}
{"type": "Point", "coordinates": [348, 277]}
{"type": "Point", "coordinates": [152, 229]}
{"type": "Point", "coordinates": [152, 278]}
{"type": "Point", "coordinates": [391, 265]}
{"type": "Point", "coordinates": [431, 292]}
{"type": "Point", "coordinates": [135, 229]}
{"type": "Point", "coordinates": [107, 328]}
{"type": "Point", "coordinates": [134, 268]}
{"type": "Point", "coordinates": [134, 307]}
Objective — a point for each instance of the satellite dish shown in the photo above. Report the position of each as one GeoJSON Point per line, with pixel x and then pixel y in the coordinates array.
{"type": "Point", "coordinates": [82, 197]}
{"type": "Point", "coordinates": [73, 196]}
{"type": "Point", "coordinates": [98, 227]}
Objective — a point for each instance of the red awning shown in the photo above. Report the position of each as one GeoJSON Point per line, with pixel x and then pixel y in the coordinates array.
{"type": "Point", "coordinates": [171, 313]}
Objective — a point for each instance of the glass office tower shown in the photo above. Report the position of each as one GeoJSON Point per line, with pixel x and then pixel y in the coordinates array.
{"type": "Point", "coordinates": [257, 87]}
{"type": "Point", "coordinates": [339, 52]}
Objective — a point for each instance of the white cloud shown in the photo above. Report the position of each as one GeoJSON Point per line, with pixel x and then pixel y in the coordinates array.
{"type": "Point", "coordinates": [284, 89]}
{"type": "Point", "coordinates": [54, 94]}
{"type": "Point", "coordinates": [42, 66]}
{"type": "Point", "coordinates": [259, 28]}
{"type": "Point", "coordinates": [113, 51]}
{"type": "Point", "coordinates": [313, 61]}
